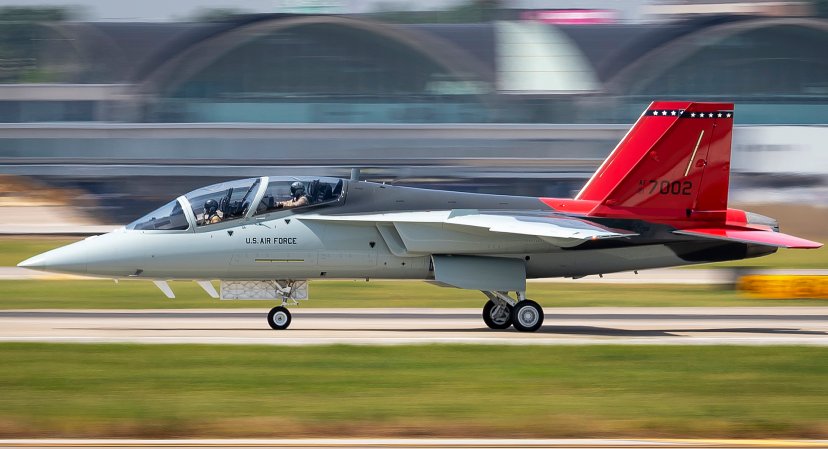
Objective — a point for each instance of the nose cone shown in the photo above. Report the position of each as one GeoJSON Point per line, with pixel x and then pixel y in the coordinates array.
{"type": "Point", "coordinates": [66, 259]}
{"type": "Point", "coordinates": [116, 254]}
{"type": "Point", "coordinates": [33, 262]}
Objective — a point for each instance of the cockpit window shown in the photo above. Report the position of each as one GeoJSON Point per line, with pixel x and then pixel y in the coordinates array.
{"type": "Point", "coordinates": [168, 217]}
{"type": "Point", "coordinates": [223, 202]}
{"type": "Point", "coordinates": [287, 194]}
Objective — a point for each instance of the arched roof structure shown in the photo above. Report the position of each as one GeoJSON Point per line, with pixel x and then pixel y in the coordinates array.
{"type": "Point", "coordinates": [611, 48]}
{"type": "Point", "coordinates": [370, 71]}
{"type": "Point", "coordinates": [657, 60]}
{"type": "Point", "coordinates": [192, 54]}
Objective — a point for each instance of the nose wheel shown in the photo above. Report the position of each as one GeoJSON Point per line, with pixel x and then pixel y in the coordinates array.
{"type": "Point", "coordinates": [278, 318]}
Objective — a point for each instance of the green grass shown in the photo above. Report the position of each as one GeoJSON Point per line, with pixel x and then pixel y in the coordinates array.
{"type": "Point", "coordinates": [14, 250]}
{"type": "Point", "coordinates": [67, 390]}
{"type": "Point", "coordinates": [99, 294]}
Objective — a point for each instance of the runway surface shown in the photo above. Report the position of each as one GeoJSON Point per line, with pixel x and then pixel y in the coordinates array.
{"type": "Point", "coordinates": [563, 326]}
{"type": "Point", "coordinates": [422, 443]}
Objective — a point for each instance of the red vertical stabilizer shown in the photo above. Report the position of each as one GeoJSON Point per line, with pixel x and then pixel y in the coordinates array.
{"type": "Point", "coordinates": [673, 165]}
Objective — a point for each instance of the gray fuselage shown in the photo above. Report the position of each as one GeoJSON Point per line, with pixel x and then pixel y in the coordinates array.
{"type": "Point", "coordinates": [282, 245]}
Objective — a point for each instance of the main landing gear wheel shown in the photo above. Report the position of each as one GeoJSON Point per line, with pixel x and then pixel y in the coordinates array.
{"type": "Point", "coordinates": [497, 316]}
{"type": "Point", "coordinates": [527, 316]}
{"type": "Point", "coordinates": [278, 318]}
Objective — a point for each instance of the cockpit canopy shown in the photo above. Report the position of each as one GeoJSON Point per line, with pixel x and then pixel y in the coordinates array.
{"type": "Point", "coordinates": [318, 191]}
{"type": "Point", "coordinates": [232, 200]}
{"type": "Point", "coordinates": [169, 217]}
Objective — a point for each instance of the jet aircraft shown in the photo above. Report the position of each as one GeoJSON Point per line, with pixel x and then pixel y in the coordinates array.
{"type": "Point", "coordinates": [658, 200]}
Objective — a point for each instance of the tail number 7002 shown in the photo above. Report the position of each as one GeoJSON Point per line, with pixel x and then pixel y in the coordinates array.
{"type": "Point", "coordinates": [665, 187]}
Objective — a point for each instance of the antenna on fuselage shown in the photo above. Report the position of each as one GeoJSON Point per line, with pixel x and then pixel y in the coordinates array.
{"type": "Point", "coordinates": [354, 174]}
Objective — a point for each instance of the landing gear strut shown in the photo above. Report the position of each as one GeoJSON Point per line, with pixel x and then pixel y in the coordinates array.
{"type": "Point", "coordinates": [501, 311]}
{"type": "Point", "coordinates": [497, 315]}
{"type": "Point", "coordinates": [279, 318]}
{"type": "Point", "coordinates": [289, 292]}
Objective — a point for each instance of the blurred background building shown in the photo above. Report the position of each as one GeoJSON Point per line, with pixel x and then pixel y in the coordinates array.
{"type": "Point", "coordinates": [125, 108]}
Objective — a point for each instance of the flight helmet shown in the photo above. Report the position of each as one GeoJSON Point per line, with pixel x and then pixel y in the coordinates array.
{"type": "Point", "coordinates": [297, 189]}
{"type": "Point", "coordinates": [210, 206]}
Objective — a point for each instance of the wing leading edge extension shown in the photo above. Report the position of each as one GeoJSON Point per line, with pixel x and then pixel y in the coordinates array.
{"type": "Point", "coordinates": [416, 229]}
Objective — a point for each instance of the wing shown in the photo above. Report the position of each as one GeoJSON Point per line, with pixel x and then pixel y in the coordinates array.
{"type": "Point", "coordinates": [756, 236]}
{"type": "Point", "coordinates": [474, 231]}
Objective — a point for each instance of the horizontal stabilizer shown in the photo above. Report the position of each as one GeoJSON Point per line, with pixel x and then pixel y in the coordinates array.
{"type": "Point", "coordinates": [759, 237]}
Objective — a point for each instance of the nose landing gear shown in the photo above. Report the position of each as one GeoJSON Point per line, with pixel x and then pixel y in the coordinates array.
{"type": "Point", "coordinates": [279, 318]}
{"type": "Point", "coordinates": [501, 311]}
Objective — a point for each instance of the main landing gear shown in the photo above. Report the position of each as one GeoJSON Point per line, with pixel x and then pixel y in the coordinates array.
{"type": "Point", "coordinates": [501, 311]}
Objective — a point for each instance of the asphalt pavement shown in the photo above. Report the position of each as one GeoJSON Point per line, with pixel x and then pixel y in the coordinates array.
{"type": "Point", "coordinates": [562, 326]}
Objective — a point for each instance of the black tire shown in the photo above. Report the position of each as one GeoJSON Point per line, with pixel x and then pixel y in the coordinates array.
{"type": "Point", "coordinates": [496, 323]}
{"type": "Point", "coordinates": [278, 318]}
{"type": "Point", "coordinates": [527, 316]}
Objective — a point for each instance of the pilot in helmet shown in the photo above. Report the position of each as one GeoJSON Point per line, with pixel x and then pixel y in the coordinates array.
{"type": "Point", "coordinates": [298, 196]}
{"type": "Point", "coordinates": [211, 212]}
